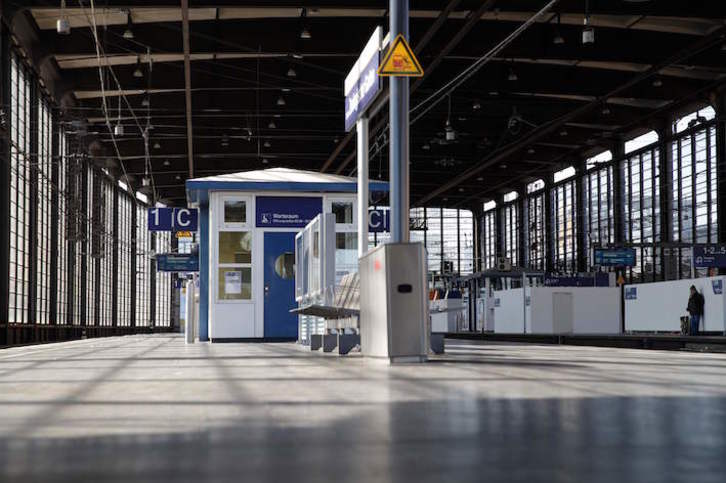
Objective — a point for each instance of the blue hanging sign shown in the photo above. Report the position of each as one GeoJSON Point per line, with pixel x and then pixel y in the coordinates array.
{"type": "Point", "coordinates": [598, 279]}
{"type": "Point", "coordinates": [379, 220]}
{"type": "Point", "coordinates": [614, 257]}
{"type": "Point", "coordinates": [177, 262]}
{"type": "Point", "coordinates": [710, 256]}
{"type": "Point", "coordinates": [362, 84]}
{"type": "Point", "coordinates": [286, 211]}
{"type": "Point", "coordinates": [173, 219]}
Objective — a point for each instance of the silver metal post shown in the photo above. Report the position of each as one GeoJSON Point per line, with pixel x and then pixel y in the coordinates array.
{"type": "Point", "coordinates": [399, 141]}
{"type": "Point", "coordinates": [361, 128]}
{"type": "Point", "coordinates": [524, 301]}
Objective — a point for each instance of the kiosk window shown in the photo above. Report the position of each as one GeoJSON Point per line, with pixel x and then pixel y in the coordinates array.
{"type": "Point", "coordinates": [343, 211]}
{"type": "Point", "coordinates": [235, 247]}
{"type": "Point", "coordinates": [235, 283]}
{"type": "Point", "coordinates": [235, 211]}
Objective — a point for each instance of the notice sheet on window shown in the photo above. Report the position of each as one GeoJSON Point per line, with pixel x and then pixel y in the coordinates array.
{"type": "Point", "coordinates": [232, 283]}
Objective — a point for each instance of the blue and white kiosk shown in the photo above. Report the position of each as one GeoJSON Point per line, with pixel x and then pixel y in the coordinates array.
{"type": "Point", "coordinates": [247, 227]}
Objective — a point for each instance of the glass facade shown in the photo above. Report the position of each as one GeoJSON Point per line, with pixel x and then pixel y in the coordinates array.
{"type": "Point", "coordinates": [77, 240]}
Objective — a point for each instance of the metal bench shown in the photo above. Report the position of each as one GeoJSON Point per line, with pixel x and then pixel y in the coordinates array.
{"type": "Point", "coordinates": [341, 317]}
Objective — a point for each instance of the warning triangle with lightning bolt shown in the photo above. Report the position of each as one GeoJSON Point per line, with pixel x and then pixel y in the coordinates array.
{"type": "Point", "coordinates": [400, 60]}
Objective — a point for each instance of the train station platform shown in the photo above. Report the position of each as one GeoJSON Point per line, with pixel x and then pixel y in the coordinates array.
{"type": "Point", "coordinates": [699, 343]}
{"type": "Point", "coordinates": [149, 407]}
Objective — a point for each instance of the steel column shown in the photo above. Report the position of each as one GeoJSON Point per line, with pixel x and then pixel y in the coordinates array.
{"type": "Point", "coordinates": [399, 119]}
{"type": "Point", "coordinates": [5, 187]}
{"type": "Point", "coordinates": [361, 128]}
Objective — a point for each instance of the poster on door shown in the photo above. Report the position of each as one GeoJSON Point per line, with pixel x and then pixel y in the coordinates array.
{"type": "Point", "coordinates": [232, 283]}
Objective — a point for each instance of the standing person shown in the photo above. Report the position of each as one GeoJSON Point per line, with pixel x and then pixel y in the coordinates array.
{"type": "Point", "coordinates": [695, 309]}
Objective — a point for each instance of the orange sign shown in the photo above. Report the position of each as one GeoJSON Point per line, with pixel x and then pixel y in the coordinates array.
{"type": "Point", "coordinates": [400, 60]}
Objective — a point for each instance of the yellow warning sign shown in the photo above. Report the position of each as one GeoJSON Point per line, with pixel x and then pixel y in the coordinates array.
{"type": "Point", "coordinates": [400, 60]}
{"type": "Point", "coordinates": [621, 280]}
{"type": "Point", "coordinates": [184, 234]}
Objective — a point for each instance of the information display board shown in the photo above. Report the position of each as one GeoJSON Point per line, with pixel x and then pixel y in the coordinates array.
{"type": "Point", "coordinates": [614, 257]}
{"type": "Point", "coordinates": [709, 256]}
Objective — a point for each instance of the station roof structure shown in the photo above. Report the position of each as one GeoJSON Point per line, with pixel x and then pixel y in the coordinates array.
{"type": "Point", "coordinates": [267, 82]}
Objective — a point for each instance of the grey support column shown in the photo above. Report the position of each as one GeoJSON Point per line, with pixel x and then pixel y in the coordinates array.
{"type": "Point", "coordinates": [549, 223]}
{"type": "Point", "coordinates": [4, 186]}
{"type": "Point", "coordinates": [719, 103]}
{"type": "Point", "coordinates": [522, 231]}
{"type": "Point", "coordinates": [618, 150]}
{"type": "Point", "coordinates": [361, 128]}
{"type": "Point", "coordinates": [665, 164]}
{"type": "Point", "coordinates": [399, 119]}
{"type": "Point", "coordinates": [581, 227]}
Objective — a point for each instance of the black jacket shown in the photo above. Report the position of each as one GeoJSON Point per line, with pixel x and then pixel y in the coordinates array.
{"type": "Point", "coordinates": [695, 304]}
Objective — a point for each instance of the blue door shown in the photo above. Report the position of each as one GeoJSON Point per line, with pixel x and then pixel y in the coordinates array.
{"type": "Point", "coordinates": [280, 286]}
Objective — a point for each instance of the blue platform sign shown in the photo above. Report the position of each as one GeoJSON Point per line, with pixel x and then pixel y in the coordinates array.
{"type": "Point", "coordinates": [631, 293]}
{"type": "Point", "coordinates": [362, 83]}
{"type": "Point", "coordinates": [177, 262]}
{"type": "Point", "coordinates": [379, 220]}
{"type": "Point", "coordinates": [598, 279]}
{"type": "Point", "coordinates": [711, 256]}
{"type": "Point", "coordinates": [717, 286]}
{"type": "Point", "coordinates": [614, 257]}
{"type": "Point", "coordinates": [173, 219]}
{"type": "Point", "coordinates": [286, 211]}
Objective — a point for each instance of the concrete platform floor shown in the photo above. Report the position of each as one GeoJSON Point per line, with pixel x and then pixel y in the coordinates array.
{"type": "Point", "coordinates": [149, 408]}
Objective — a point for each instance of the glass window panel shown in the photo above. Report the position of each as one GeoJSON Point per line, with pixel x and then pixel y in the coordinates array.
{"type": "Point", "coordinates": [343, 211]}
{"type": "Point", "coordinates": [235, 211]}
{"type": "Point", "coordinates": [235, 283]}
{"type": "Point", "coordinates": [235, 247]}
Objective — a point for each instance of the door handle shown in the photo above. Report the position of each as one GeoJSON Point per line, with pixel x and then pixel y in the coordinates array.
{"type": "Point", "coordinates": [267, 290]}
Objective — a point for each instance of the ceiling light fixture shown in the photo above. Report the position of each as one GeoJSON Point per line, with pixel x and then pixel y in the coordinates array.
{"type": "Point", "coordinates": [588, 33]}
{"type": "Point", "coordinates": [281, 101]}
{"type": "Point", "coordinates": [559, 39]}
{"type": "Point", "coordinates": [267, 144]}
{"type": "Point", "coordinates": [145, 101]}
{"type": "Point", "coordinates": [426, 147]}
{"type": "Point", "coordinates": [476, 106]}
{"type": "Point", "coordinates": [62, 26]}
{"type": "Point", "coordinates": [118, 130]}
{"type": "Point", "coordinates": [291, 72]}
{"type": "Point", "coordinates": [605, 110]}
{"type": "Point", "coordinates": [563, 133]}
{"type": "Point", "coordinates": [272, 125]}
{"type": "Point", "coordinates": [225, 141]}
{"type": "Point", "coordinates": [138, 73]}
{"type": "Point", "coordinates": [264, 161]}
{"type": "Point", "coordinates": [157, 145]}
{"type": "Point", "coordinates": [128, 33]}
{"type": "Point", "coordinates": [530, 151]}
{"type": "Point", "coordinates": [657, 83]}
{"type": "Point", "coordinates": [512, 77]}
{"type": "Point", "coordinates": [167, 162]}
{"type": "Point", "coordinates": [304, 32]}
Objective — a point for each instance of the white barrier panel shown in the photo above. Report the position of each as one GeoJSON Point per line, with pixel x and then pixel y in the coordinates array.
{"type": "Point", "coordinates": [659, 306]}
{"type": "Point", "coordinates": [508, 312]}
{"type": "Point", "coordinates": [559, 310]}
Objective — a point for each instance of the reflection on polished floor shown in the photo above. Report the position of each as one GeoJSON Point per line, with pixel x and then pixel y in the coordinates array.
{"type": "Point", "coordinates": [144, 408]}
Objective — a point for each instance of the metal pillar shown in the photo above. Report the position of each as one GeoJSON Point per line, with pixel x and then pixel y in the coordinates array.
{"type": "Point", "coordinates": [581, 228]}
{"type": "Point", "coordinates": [204, 282]}
{"type": "Point", "coordinates": [399, 121]}
{"type": "Point", "coordinates": [361, 128]}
